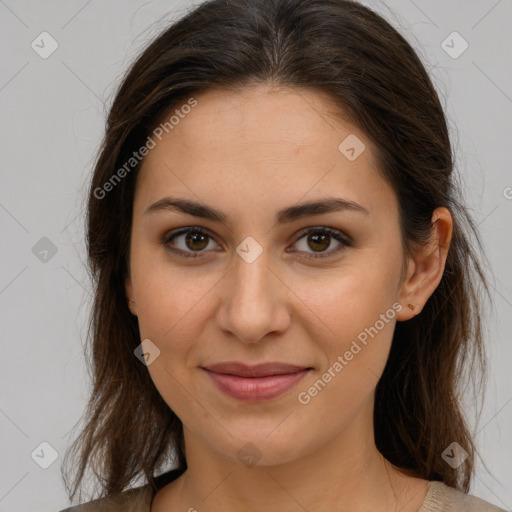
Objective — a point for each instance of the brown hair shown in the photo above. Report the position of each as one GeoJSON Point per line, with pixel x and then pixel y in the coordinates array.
{"type": "Point", "coordinates": [346, 50]}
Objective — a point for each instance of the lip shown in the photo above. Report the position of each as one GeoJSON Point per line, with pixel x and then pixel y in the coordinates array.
{"type": "Point", "coordinates": [254, 383]}
{"type": "Point", "coordinates": [257, 370]}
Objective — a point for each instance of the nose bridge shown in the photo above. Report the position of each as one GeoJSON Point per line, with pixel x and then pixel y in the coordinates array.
{"type": "Point", "coordinates": [254, 303]}
{"type": "Point", "coordinates": [251, 274]}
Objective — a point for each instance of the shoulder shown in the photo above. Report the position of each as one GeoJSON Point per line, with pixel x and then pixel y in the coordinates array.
{"type": "Point", "coordinates": [133, 500]}
{"type": "Point", "coordinates": [442, 498]}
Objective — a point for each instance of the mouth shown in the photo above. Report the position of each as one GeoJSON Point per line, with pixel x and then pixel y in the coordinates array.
{"type": "Point", "coordinates": [255, 383]}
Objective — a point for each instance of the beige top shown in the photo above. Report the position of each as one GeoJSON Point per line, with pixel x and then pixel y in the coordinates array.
{"type": "Point", "coordinates": [439, 498]}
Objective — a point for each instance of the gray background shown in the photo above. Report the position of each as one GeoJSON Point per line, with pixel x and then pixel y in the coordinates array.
{"type": "Point", "coordinates": [52, 120]}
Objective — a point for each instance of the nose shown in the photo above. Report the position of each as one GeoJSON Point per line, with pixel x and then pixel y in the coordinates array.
{"type": "Point", "coordinates": [253, 301]}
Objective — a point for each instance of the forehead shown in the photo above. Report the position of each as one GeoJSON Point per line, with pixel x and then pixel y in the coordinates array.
{"type": "Point", "coordinates": [280, 118]}
{"type": "Point", "coordinates": [265, 140]}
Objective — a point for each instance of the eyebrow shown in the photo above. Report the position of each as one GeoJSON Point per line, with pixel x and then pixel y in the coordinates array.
{"type": "Point", "coordinates": [286, 215]}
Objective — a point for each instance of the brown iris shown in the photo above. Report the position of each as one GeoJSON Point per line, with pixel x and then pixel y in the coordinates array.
{"type": "Point", "coordinates": [319, 240]}
{"type": "Point", "coordinates": [196, 238]}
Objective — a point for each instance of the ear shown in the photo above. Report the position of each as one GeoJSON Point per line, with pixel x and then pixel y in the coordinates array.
{"type": "Point", "coordinates": [129, 295]}
{"type": "Point", "coordinates": [426, 266]}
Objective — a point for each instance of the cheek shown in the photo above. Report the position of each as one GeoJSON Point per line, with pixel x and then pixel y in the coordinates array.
{"type": "Point", "coordinates": [354, 358]}
{"type": "Point", "coordinates": [356, 310]}
{"type": "Point", "coordinates": [171, 313]}
{"type": "Point", "coordinates": [169, 299]}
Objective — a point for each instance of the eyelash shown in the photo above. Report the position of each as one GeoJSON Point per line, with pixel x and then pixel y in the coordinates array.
{"type": "Point", "coordinates": [317, 230]}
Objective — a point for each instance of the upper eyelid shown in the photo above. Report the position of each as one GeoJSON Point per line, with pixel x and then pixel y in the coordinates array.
{"type": "Point", "coordinates": [301, 231]}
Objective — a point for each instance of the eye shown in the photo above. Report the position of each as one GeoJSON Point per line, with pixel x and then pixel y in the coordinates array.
{"type": "Point", "coordinates": [194, 241]}
{"type": "Point", "coordinates": [194, 238]}
{"type": "Point", "coordinates": [320, 239]}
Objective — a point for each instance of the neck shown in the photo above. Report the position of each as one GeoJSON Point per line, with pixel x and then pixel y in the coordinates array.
{"type": "Point", "coordinates": [346, 474]}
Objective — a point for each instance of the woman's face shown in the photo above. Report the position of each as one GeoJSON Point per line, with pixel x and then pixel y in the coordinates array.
{"type": "Point", "coordinates": [265, 280]}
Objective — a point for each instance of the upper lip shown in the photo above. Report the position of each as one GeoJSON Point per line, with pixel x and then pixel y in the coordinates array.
{"type": "Point", "coordinates": [259, 370]}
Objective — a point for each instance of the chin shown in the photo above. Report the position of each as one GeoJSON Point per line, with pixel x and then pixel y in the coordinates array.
{"type": "Point", "coordinates": [264, 446]}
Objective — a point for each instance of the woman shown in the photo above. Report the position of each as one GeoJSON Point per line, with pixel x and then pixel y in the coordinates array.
{"type": "Point", "coordinates": [286, 289]}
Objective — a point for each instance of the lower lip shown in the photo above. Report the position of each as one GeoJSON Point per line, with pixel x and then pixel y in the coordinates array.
{"type": "Point", "coordinates": [252, 389]}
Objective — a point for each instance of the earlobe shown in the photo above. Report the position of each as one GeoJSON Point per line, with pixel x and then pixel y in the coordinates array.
{"type": "Point", "coordinates": [426, 266]}
{"type": "Point", "coordinates": [410, 308]}
{"type": "Point", "coordinates": [129, 296]}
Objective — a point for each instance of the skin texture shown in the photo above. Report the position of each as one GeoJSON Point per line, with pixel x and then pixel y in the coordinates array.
{"type": "Point", "coordinates": [250, 153]}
